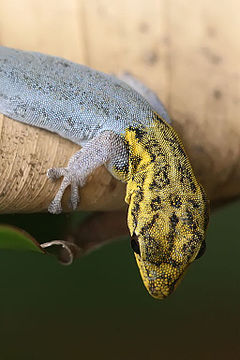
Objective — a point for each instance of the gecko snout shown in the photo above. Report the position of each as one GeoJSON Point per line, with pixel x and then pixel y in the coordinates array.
{"type": "Point", "coordinates": [160, 280]}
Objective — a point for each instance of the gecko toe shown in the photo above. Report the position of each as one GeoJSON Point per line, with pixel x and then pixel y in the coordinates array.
{"type": "Point", "coordinates": [56, 173]}
{"type": "Point", "coordinates": [55, 207]}
{"type": "Point", "coordinates": [74, 199]}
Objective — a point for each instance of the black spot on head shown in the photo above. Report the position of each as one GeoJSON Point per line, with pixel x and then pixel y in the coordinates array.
{"type": "Point", "coordinates": [139, 133]}
{"type": "Point", "coordinates": [156, 263]}
{"type": "Point", "coordinates": [148, 226]}
{"type": "Point", "coordinates": [161, 179]}
{"type": "Point", "coordinates": [135, 161]}
{"type": "Point", "coordinates": [189, 220]}
{"type": "Point", "coordinates": [146, 230]}
{"type": "Point", "coordinates": [174, 220]}
{"type": "Point", "coordinates": [152, 156]}
{"type": "Point", "coordinates": [153, 185]}
{"type": "Point", "coordinates": [184, 247]}
{"type": "Point", "coordinates": [139, 195]}
{"type": "Point", "coordinates": [194, 203]}
{"type": "Point", "coordinates": [156, 204]}
{"type": "Point", "coordinates": [186, 177]}
{"type": "Point", "coordinates": [176, 202]}
{"type": "Point", "coordinates": [136, 207]}
{"type": "Point", "coordinates": [134, 219]}
{"type": "Point", "coordinates": [189, 216]}
{"type": "Point", "coordinates": [193, 187]}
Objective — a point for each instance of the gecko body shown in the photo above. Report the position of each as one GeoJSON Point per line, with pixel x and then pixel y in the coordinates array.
{"type": "Point", "coordinates": [129, 133]}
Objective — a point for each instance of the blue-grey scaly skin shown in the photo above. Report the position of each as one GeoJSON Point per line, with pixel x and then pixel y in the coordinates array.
{"type": "Point", "coordinates": [118, 127]}
{"type": "Point", "coordinates": [70, 99]}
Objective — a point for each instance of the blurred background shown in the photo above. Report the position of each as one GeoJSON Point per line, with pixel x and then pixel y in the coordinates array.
{"type": "Point", "coordinates": [98, 307]}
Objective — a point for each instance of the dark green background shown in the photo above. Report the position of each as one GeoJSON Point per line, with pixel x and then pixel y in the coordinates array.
{"type": "Point", "coordinates": [98, 308]}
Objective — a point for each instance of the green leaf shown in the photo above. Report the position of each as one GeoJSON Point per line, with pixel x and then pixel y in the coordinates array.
{"type": "Point", "coordinates": [12, 238]}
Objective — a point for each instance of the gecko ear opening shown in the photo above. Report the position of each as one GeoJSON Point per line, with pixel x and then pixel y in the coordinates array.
{"type": "Point", "coordinates": [201, 250]}
{"type": "Point", "coordinates": [135, 244]}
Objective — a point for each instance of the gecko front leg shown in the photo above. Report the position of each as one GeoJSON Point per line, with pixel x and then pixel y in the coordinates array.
{"type": "Point", "coordinates": [106, 148]}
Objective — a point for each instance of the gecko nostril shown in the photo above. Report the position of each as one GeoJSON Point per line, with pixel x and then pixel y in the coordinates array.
{"type": "Point", "coordinates": [135, 244]}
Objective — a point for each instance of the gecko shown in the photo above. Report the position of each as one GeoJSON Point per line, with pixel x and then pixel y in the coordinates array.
{"type": "Point", "coordinates": [121, 124]}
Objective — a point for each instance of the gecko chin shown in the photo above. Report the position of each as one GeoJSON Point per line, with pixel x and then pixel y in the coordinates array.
{"type": "Point", "coordinates": [159, 280]}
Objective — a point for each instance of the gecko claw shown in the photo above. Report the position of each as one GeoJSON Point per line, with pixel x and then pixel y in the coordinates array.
{"type": "Point", "coordinates": [55, 207]}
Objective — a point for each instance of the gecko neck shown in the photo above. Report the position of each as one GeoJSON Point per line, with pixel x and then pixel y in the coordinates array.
{"type": "Point", "coordinates": [157, 160]}
{"type": "Point", "coordinates": [159, 170]}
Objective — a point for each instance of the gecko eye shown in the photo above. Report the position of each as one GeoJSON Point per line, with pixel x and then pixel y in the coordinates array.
{"type": "Point", "coordinates": [201, 250]}
{"type": "Point", "coordinates": [135, 244]}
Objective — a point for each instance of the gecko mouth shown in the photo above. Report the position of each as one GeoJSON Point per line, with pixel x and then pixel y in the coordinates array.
{"type": "Point", "coordinates": [164, 290]}
{"type": "Point", "coordinates": [160, 281]}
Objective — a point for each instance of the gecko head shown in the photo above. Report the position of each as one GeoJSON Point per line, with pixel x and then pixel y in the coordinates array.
{"type": "Point", "coordinates": [168, 239]}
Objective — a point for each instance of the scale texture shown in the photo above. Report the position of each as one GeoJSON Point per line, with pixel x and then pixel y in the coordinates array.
{"type": "Point", "coordinates": [127, 129]}
{"type": "Point", "coordinates": [70, 99]}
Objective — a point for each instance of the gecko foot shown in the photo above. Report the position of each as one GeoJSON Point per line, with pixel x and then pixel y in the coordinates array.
{"type": "Point", "coordinates": [69, 179]}
{"type": "Point", "coordinates": [55, 207]}
{"type": "Point", "coordinates": [106, 148]}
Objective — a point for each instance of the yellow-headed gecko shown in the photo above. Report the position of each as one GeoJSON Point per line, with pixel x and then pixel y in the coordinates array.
{"type": "Point", "coordinates": [130, 134]}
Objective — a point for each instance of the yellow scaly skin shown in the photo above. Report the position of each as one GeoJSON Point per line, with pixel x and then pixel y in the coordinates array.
{"type": "Point", "coordinates": [168, 208]}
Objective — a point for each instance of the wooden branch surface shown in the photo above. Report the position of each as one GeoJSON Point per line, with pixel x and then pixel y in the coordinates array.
{"type": "Point", "coordinates": [188, 53]}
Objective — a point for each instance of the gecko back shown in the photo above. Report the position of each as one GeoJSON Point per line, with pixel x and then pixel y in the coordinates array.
{"type": "Point", "coordinates": [70, 99]}
{"type": "Point", "coordinates": [168, 208]}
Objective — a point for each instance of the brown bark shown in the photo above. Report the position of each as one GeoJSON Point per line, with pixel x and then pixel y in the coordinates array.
{"type": "Point", "coordinates": [188, 53]}
{"type": "Point", "coordinates": [27, 152]}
